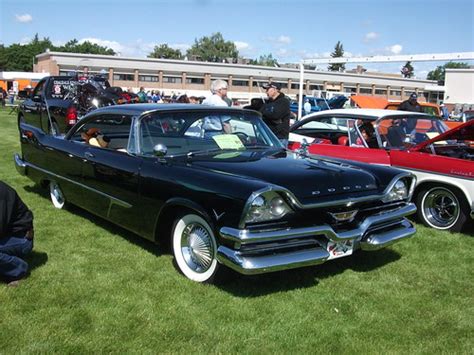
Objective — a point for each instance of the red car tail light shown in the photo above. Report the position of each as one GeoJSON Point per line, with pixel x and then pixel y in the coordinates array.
{"type": "Point", "coordinates": [71, 116]}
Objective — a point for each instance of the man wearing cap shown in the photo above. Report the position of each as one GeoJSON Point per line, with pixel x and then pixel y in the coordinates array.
{"type": "Point", "coordinates": [276, 112]}
{"type": "Point", "coordinates": [411, 104]}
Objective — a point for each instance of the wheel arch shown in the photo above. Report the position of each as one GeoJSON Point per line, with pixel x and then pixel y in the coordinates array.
{"type": "Point", "coordinates": [423, 184]}
{"type": "Point", "coordinates": [168, 214]}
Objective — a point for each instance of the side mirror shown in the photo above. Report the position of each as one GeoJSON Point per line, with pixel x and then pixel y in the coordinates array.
{"type": "Point", "coordinates": [160, 150]}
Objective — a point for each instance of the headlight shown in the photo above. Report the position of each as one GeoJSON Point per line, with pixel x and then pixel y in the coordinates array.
{"type": "Point", "coordinates": [398, 192]}
{"type": "Point", "coordinates": [266, 207]}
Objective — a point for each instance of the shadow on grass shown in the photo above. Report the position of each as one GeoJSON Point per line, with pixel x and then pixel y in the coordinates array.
{"type": "Point", "coordinates": [102, 223]}
{"type": "Point", "coordinates": [36, 259]}
{"type": "Point", "coordinates": [259, 285]}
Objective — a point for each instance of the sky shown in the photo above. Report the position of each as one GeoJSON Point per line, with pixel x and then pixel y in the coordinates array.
{"type": "Point", "coordinates": [289, 30]}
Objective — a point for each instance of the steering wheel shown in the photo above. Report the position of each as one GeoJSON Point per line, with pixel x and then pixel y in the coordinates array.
{"type": "Point", "coordinates": [243, 137]}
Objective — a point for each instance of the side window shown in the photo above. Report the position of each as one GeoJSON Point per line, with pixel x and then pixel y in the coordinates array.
{"type": "Point", "coordinates": [109, 131]}
{"type": "Point", "coordinates": [38, 89]}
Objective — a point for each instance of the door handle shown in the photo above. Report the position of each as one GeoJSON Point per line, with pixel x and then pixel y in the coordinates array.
{"type": "Point", "coordinates": [89, 155]}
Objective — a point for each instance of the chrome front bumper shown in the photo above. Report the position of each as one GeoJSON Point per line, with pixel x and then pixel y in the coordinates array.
{"type": "Point", "coordinates": [375, 232]}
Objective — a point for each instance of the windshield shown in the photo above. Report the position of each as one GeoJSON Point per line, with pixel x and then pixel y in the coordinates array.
{"type": "Point", "coordinates": [402, 132]}
{"type": "Point", "coordinates": [199, 131]}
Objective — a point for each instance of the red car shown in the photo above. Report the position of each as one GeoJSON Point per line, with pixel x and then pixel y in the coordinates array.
{"type": "Point", "coordinates": [441, 159]}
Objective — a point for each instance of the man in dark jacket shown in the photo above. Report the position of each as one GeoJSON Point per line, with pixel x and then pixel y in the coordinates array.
{"type": "Point", "coordinates": [276, 112]}
{"type": "Point", "coordinates": [16, 234]}
{"type": "Point", "coordinates": [411, 104]}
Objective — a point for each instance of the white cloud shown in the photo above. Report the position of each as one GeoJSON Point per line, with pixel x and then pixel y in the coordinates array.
{"type": "Point", "coordinates": [241, 45]}
{"type": "Point", "coordinates": [395, 49]}
{"type": "Point", "coordinates": [25, 40]}
{"type": "Point", "coordinates": [371, 36]}
{"type": "Point", "coordinates": [25, 18]}
{"type": "Point", "coordinates": [183, 47]}
{"type": "Point", "coordinates": [284, 39]}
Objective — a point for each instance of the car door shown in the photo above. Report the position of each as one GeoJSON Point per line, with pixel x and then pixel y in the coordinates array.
{"type": "Point", "coordinates": [110, 174]}
{"type": "Point", "coordinates": [33, 108]}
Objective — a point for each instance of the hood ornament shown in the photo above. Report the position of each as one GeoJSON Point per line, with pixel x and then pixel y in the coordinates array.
{"type": "Point", "coordinates": [303, 149]}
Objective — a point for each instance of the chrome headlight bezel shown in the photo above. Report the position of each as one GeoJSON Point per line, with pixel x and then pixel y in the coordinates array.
{"type": "Point", "coordinates": [265, 206]}
{"type": "Point", "coordinates": [401, 190]}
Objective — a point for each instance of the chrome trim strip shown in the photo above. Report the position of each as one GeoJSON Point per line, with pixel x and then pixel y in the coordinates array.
{"type": "Point", "coordinates": [244, 236]}
{"type": "Point", "coordinates": [348, 201]}
{"type": "Point", "coordinates": [375, 241]}
{"type": "Point", "coordinates": [462, 177]}
{"type": "Point", "coordinates": [20, 165]}
{"type": "Point", "coordinates": [250, 265]}
{"type": "Point", "coordinates": [113, 200]}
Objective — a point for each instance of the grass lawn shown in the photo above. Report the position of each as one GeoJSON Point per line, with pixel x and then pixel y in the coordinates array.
{"type": "Point", "coordinates": [95, 288]}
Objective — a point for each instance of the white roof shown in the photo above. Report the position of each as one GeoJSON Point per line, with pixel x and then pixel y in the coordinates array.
{"type": "Point", "coordinates": [371, 112]}
{"type": "Point", "coordinates": [13, 75]}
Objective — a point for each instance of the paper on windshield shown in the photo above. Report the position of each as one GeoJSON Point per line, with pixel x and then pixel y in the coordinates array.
{"type": "Point", "coordinates": [228, 141]}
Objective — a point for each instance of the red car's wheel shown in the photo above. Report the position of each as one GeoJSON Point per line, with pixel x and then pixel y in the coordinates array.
{"type": "Point", "coordinates": [442, 207]}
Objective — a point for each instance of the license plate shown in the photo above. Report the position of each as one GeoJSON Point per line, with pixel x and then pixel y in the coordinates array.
{"type": "Point", "coordinates": [340, 249]}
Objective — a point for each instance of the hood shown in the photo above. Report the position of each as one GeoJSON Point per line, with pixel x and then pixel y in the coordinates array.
{"type": "Point", "coordinates": [306, 178]}
{"type": "Point", "coordinates": [337, 101]}
{"type": "Point", "coordinates": [363, 101]}
{"type": "Point", "coordinates": [461, 132]}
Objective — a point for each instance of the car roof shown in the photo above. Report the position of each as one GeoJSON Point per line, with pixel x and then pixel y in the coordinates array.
{"type": "Point", "coordinates": [366, 112]}
{"type": "Point", "coordinates": [139, 109]}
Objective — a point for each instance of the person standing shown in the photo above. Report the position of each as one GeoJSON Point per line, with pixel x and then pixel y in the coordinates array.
{"type": "Point", "coordinates": [307, 107]}
{"type": "Point", "coordinates": [411, 104]}
{"type": "Point", "coordinates": [219, 94]}
{"type": "Point", "coordinates": [276, 112]}
{"type": "Point", "coordinates": [16, 234]}
{"type": "Point", "coordinates": [142, 96]}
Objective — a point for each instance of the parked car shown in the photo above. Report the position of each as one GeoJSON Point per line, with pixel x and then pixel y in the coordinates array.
{"type": "Point", "coordinates": [320, 104]}
{"type": "Point", "coordinates": [219, 186]}
{"type": "Point", "coordinates": [419, 143]}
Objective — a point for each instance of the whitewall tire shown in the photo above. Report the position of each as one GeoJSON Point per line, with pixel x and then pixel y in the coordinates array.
{"type": "Point", "coordinates": [195, 248]}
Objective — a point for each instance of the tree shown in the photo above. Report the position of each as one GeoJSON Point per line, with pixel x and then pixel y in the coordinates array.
{"type": "Point", "coordinates": [439, 73]}
{"type": "Point", "coordinates": [338, 52]}
{"type": "Point", "coordinates": [266, 60]}
{"type": "Point", "coordinates": [86, 47]}
{"type": "Point", "coordinates": [166, 52]}
{"type": "Point", "coordinates": [407, 70]}
{"type": "Point", "coordinates": [213, 49]}
{"type": "Point", "coordinates": [20, 57]}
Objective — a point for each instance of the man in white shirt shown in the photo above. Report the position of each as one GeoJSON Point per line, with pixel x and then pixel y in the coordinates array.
{"type": "Point", "coordinates": [219, 94]}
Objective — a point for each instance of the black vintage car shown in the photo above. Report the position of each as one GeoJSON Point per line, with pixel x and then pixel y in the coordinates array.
{"type": "Point", "coordinates": [218, 185]}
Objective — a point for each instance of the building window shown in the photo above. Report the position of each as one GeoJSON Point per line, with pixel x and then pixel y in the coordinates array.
{"type": "Point", "coordinates": [315, 87]}
{"type": "Point", "coordinates": [194, 81]}
{"type": "Point", "coordinates": [395, 93]}
{"type": "Point", "coordinates": [124, 77]}
{"type": "Point", "coordinates": [365, 91]}
{"type": "Point", "coordinates": [240, 83]}
{"type": "Point", "coordinates": [351, 90]}
{"type": "Point", "coordinates": [172, 80]}
{"type": "Point", "coordinates": [295, 86]}
{"type": "Point", "coordinates": [258, 83]}
{"type": "Point", "coordinates": [149, 78]}
{"type": "Point", "coordinates": [380, 92]}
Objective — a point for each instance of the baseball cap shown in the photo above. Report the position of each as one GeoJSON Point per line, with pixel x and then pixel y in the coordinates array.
{"type": "Point", "coordinates": [272, 84]}
{"type": "Point", "coordinates": [413, 96]}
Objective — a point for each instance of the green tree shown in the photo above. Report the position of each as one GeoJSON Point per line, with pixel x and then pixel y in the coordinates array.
{"type": "Point", "coordinates": [407, 70]}
{"type": "Point", "coordinates": [266, 60]}
{"type": "Point", "coordinates": [166, 52]}
{"type": "Point", "coordinates": [439, 73]}
{"type": "Point", "coordinates": [338, 52]}
{"type": "Point", "coordinates": [213, 49]}
{"type": "Point", "coordinates": [86, 47]}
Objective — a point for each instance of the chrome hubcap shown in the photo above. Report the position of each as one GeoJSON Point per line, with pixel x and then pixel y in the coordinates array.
{"type": "Point", "coordinates": [441, 208]}
{"type": "Point", "coordinates": [197, 247]}
{"type": "Point", "coordinates": [58, 196]}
